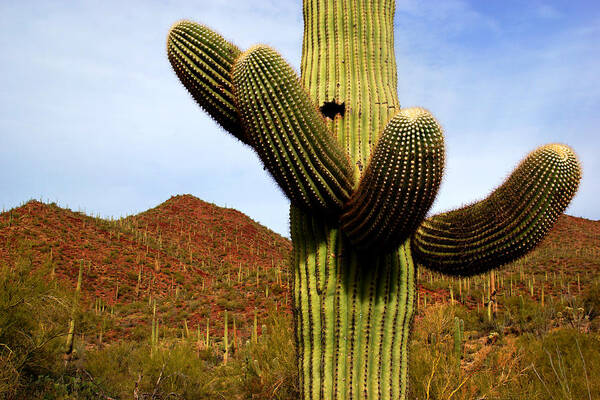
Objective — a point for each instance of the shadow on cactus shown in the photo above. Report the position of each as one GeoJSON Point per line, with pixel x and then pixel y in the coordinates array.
{"type": "Point", "coordinates": [360, 181]}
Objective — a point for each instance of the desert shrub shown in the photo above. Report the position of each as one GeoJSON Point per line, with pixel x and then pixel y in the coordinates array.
{"type": "Point", "coordinates": [33, 321]}
{"type": "Point", "coordinates": [229, 304]}
{"type": "Point", "coordinates": [270, 365]}
{"type": "Point", "coordinates": [179, 277]}
{"type": "Point", "coordinates": [133, 307]}
{"type": "Point", "coordinates": [435, 368]}
{"type": "Point", "coordinates": [277, 290]}
{"type": "Point", "coordinates": [591, 300]}
{"type": "Point", "coordinates": [564, 364]}
{"type": "Point", "coordinates": [555, 363]}
{"type": "Point", "coordinates": [64, 387]}
{"type": "Point", "coordinates": [110, 367]}
{"type": "Point", "coordinates": [132, 275]}
{"type": "Point", "coordinates": [87, 322]}
{"type": "Point", "coordinates": [478, 321]}
{"type": "Point", "coordinates": [526, 315]}
{"type": "Point", "coordinates": [262, 370]}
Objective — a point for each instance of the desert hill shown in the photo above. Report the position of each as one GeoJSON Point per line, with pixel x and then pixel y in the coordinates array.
{"type": "Point", "coordinates": [564, 263]}
{"type": "Point", "coordinates": [195, 260]}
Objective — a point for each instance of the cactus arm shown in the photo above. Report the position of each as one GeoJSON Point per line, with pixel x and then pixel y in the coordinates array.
{"type": "Point", "coordinates": [203, 60]}
{"type": "Point", "coordinates": [269, 110]}
{"type": "Point", "coordinates": [507, 224]}
{"type": "Point", "coordinates": [289, 134]}
{"type": "Point", "coordinates": [399, 184]}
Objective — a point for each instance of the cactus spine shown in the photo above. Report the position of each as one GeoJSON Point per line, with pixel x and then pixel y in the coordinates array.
{"type": "Point", "coordinates": [361, 176]}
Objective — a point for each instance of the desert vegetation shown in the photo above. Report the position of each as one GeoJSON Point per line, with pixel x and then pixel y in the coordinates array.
{"type": "Point", "coordinates": [189, 300]}
{"type": "Point", "coordinates": [164, 343]}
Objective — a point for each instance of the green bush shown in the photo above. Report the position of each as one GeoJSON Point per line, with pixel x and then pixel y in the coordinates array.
{"type": "Point", "coordinates": [33, 323]}
{"type": "Point", "coordinates": [525, 315]}
{"type": "Point", "coordinates": [556, 363]}
{"type": "Point", "coordinates": [591, 300]}
{"type": "Point", "coordinates": [270, 365]}
{"type": "Point", "coordinates": [564, 364]}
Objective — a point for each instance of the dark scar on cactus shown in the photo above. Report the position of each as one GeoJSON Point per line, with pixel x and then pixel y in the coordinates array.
{"type": "Point", "coordinates": [330, 109]}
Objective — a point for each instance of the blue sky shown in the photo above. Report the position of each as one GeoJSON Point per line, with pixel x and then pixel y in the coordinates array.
{"type": "Point", "coordinates": [93, 118]}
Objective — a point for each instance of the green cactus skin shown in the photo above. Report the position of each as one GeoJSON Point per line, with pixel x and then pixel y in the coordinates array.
{"type": "Point", "coordinates": [352, 314]}
{"type": "Point", "coordinates": [289, 134]}
{"type": "Point", "coordinates": [389, 203]}
{"type": "Point", "coordinates": [459, 331]}
{"type": "Point", "coordinates": [360, 185]}
{"type": "Point", "coordinates": [506, 225]}
{"type": "Point", "coordinates": [203, 61]}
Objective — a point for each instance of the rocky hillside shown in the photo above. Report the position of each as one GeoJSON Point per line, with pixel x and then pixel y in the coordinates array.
{"type": "Point", "coordinates": [195, 260]}
{"type": "Point", "coordinates": [192, 258]}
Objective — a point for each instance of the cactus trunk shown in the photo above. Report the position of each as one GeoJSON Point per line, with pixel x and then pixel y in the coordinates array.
{"type": "Point", "coordinates": [348, 58]}
{"type": "Point", "coordinates": [353, 312]}
{"type": "Point", "coordinates": [352, 315]}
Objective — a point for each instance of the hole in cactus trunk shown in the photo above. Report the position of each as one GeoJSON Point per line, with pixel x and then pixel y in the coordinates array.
{"type": "Point", "coordinates": [330, 109]}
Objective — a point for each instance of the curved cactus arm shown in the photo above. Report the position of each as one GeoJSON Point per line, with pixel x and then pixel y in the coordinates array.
{"type": "Point", "coordinates": [507, 224]}
{"type": "Point", "coordinates": [289, 133]}
{"type": "Point", "coordinates": [399, 184]}
{"type": "Point", "coordinates": [203, 60]}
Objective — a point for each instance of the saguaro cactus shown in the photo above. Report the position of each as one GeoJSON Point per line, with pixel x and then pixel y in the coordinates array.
{"type": "Point", "coordinates": [361, 174]}
{"type": "Point", "coordinates": [71, 332]}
